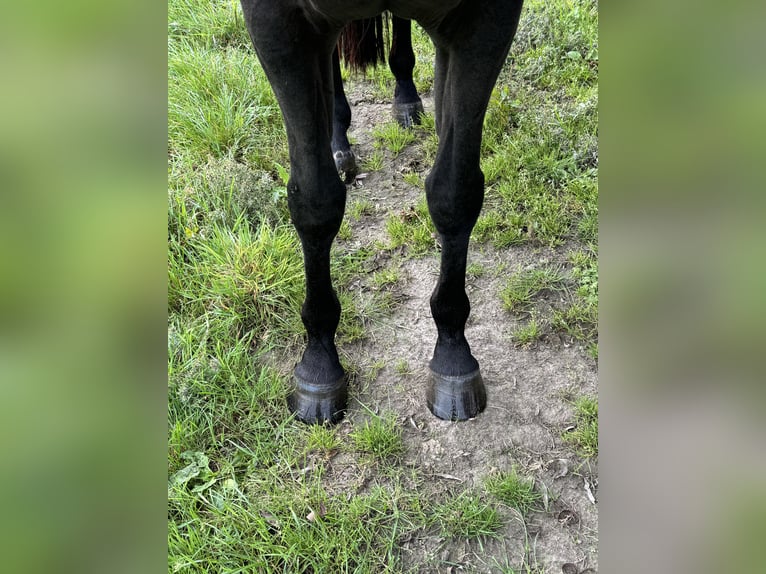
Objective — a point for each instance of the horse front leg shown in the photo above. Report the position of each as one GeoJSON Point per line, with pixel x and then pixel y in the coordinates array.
{"type": "Point", "coordinates": [407, 106]}
{"type": "Point", "coordinates": [455, 390]}
{"type": "Point", "coordinates": [466, 69]}
{"type": "Point", "coordinates": [296, 57]}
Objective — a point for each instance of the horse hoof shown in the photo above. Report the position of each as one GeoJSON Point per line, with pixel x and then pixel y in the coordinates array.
{"type": "Point", "coordinates": [456, 398]}
{"type": "Point", "coordinates": [312, 403]}
{"type": "Point", "coordinates": [408, 115]}
{"type": "Point", "coordinates": [345, 163]}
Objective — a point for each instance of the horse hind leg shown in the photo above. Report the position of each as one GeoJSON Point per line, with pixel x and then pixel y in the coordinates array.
{"type": "Point", "coordinates": [467, 67]}
{"type": "Point", "coordinates": [345, 161]}
{"type": "Point", "coordinates": [408, 106]}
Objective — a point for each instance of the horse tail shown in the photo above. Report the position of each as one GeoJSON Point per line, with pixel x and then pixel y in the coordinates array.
{"type": "Point", "coordinates": [362, 43]}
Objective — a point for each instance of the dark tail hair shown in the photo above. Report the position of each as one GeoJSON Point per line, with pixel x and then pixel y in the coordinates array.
{"type": "Point", "coordinates": [362, 43]}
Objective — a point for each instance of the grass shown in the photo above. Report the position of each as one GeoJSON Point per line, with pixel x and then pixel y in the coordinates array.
{"type": "Point", "coordinates": [514, 490]}
{"type": "Point", "coordinates": [392, 137]}
{"type": "Point", "coordinates": [466, 515]}
{"type": "Point", "coordinates": [379, 437]}
{"type": "Point", "coordinates": [528, 333]}
{"type": "Point", "coordinates": [520, 288]}
{"type": "Point", "coordinates": [385, 278]}
{"type": "Point", "coordinates": [249, 489]}
{"type": "Point", "coordinates": [584, 437]}
{"type": "Point", "coordinates": [360, 208]}
{"type": "Point", "coordinates": [374, 162]}
{"type": "Point", "coordinates": [402, 367]}
{"type": "Point", "coordinates": [322, 439]}
{"type": "Point", "coordinates": [413, 229]}
{"type": "Point", "coordinates": [474, 270]}
{"type": "Point", "coordinates": [580, 318]}
{"type": "Point", "coordinates": [414, 179]}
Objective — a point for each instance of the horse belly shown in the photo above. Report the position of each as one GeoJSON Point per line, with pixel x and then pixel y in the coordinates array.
{"type": "Point", "coordinates": [426, 12]}
{"type": "Point", "coordinates": [423, 11]}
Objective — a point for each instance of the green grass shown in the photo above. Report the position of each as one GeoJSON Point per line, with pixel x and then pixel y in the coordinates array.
{"type": "Point", "coordinates": [379, 437]}
{"type": "Point", "coordinates": [413, 229]}
{"type": "Point", "coordinates": [556, 301]}
{"type": "Point", "coordinates": [392, 137]}
{"type": "Point", "coordinates": [520, 288]}
{"type": "Point", "coordinates": [414, 179]}
{"type": "Point", "coordinates": [385, 278]}
{"type": "Point", "coordinates": [249, 488]}
{"type": "Point", "coordinates": [344, 233]}
{"type": "Point", "coordinates": [402, 368]}
{"type": "Point", "coordinates": [360, 208]}
{"type": "Point", "coordinates": [528, 333]}
{"type": "Point", "coordinates": [322, 439]}
{"type": "Point", "coordinates": [474, 270]}
{"type": "Point", "coordinates": [374, 162]}
{"type": "Point", "coordinates": [466, 515]}
{"type": "Point", "coordinates": [514, 490]}
{"type": "Point", "coordinates": [580, 318]}
{"type": "Point", "coordinates": [584, 437]}
{"type": "Point", "coordinates": [540, 133]}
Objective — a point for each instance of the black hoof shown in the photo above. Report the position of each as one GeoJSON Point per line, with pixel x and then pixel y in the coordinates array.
{"type": "Point", "coordinates": [408, 115]}
{"type": "Point", "coordinates": [345, 163]}
{"type": "Point", "coordinates": [456, 398]}
{"type": "Point", "coordinates": [317, 404]}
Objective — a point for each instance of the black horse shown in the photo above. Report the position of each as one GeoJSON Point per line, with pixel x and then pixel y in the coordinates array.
{"type": "Point", "coordinates": [295, 40]}
{"type": "Point", "coordinates": [362, 44]}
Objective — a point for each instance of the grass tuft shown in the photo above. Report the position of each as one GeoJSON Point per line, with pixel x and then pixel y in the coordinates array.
{"type": "Point", "coordinates": [466, 515]}
{"type": "Point", "coordinates": [322, 439]}
{"type": "Point", "coordinates": [584, 437]}
{"type": "Point", "coordinates": [522, 287]}
{"type": "Point", "coordinates": [413, 228]}
{"type": "Point", "coordinates": [514, 490]}
{"type": "Point", "coordinates": [528, 333]}
{"type": "Point", "coordinates": [379, 437]}
{"type": "Point", "coordinates": [392, 137]}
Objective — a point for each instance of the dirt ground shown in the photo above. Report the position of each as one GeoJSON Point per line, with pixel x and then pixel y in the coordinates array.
{"type": "Point", "coordinates": [529, 389]}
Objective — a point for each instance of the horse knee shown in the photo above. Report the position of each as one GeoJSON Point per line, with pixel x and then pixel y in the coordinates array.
{"type": "Point", "coordinates": [455, 199]}
{"type": "Point", "coordinates": [317, 207]}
